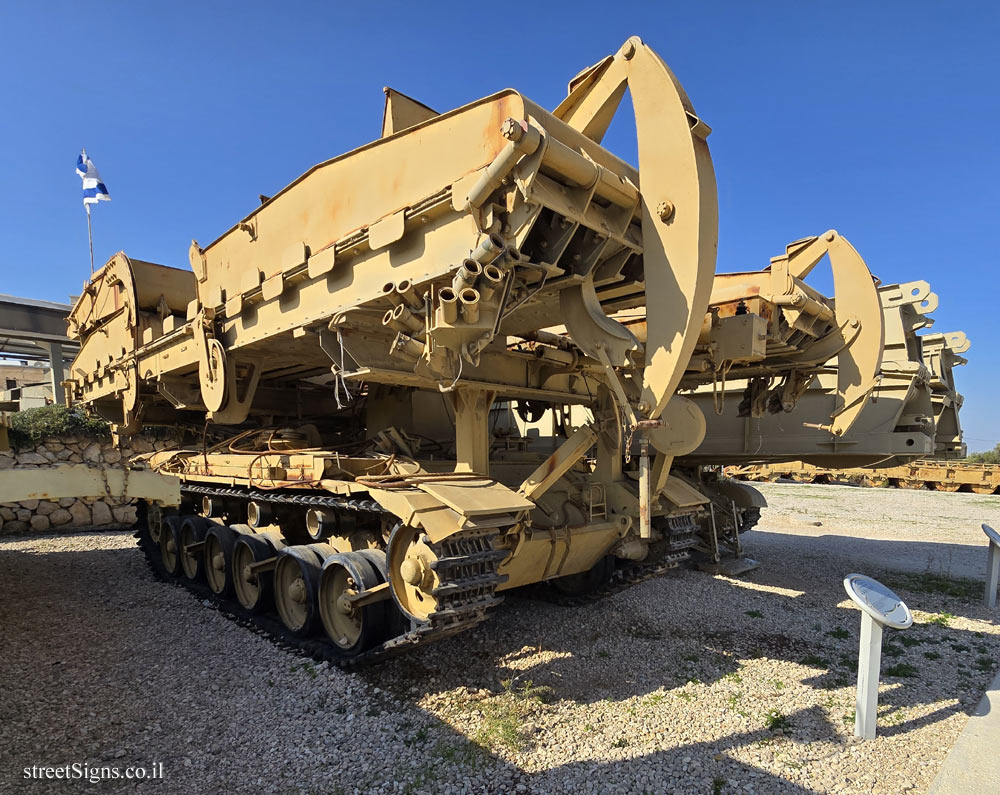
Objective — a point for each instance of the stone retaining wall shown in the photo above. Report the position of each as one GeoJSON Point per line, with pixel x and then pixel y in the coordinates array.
{"type": "Point", "coordinates": [71, 513]}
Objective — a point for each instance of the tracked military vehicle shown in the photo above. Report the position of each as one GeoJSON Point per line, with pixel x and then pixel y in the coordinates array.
{"type": "Point", "coordinates": [415, 377]}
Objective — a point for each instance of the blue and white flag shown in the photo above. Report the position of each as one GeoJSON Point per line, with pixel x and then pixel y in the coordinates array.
{"type": "Point", "coordinates": [94, 190]}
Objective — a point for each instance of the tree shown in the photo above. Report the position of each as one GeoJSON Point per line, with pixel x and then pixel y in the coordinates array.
{"type": "Point", "coordinates": [989, 457]}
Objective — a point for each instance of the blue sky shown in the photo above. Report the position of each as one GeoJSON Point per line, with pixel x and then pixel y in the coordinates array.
{"type": "Point", "coordinates": [878, 119]}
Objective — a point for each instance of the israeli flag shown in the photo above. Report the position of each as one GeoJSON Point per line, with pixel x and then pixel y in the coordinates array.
{"type": "Point", "coordinates": [94, 190]}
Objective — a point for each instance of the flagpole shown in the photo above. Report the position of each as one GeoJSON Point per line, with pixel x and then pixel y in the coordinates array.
{"type": "Point", "coordinates": [90, 237]}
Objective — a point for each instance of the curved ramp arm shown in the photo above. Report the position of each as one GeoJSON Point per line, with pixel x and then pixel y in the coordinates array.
{"type": "Point", "coordinates": [857, 302]}
{"type": "Point", "coordinates": [860, 337]}
{"type": "Point", "coordinates": [678, 201]}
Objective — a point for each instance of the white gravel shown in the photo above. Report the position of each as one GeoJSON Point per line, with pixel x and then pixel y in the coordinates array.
{"type": "Point", "coordinates": [664, 687]}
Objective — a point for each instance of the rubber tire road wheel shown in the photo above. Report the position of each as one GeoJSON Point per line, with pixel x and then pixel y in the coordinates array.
{"type": "Point", "coordinates": [350, 634]}
{"type": "Point", "coordinates": [192, 531]}
{"type": "Point", "coordinates": [256, 592]}
{"type": "Point", "coordinates": [396, 623]}
{"type": "Point", "coordinates": [170, 541]}
{"type": "Point", "coordinates": [218, 559]}
{"type": "Point", "coordinates": [296, 589]}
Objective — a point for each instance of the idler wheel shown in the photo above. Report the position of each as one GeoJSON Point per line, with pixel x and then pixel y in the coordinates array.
{"type": "Point", "coordinates": [296, 586]}
{"type": "Point", "coordinates": [218, 558]}
{"type": "Point", "coordinates": [410, 575]}
{"type": "Point", "coordinates": [192, 538]}
{"type": "Point", "coordinates": [170, 542]}
{"type": "Point", "coordinates": [353, 629]}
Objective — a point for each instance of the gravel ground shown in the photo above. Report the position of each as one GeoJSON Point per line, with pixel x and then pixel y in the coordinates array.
{"type": "Point", "coordinates": [685, 683]}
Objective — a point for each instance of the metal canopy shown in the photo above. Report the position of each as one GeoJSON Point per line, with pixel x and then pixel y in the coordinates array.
{"type": "Point", "coordinates": [25, 320]}
{"type": "Point", "coordinates": [36, 330]}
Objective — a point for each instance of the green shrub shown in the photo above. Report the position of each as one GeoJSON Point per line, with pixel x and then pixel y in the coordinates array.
{"type": "Point", "coordinates": [988, 457]}
{"type": "Point", "coordinates": [31, 426]}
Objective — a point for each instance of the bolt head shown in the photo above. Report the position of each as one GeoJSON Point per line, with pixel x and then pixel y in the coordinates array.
{"type": "Point", "coordinates": [511, 130]}
{"type": "Point", "coordinates": [665, 210]}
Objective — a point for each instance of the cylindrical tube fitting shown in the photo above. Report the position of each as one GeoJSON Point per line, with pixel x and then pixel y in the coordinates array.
{"type": "Point", "coordinates": [557, 356]}
{"type": "Point", "coordinates": [389, 292]}
{"type": "Point", "coordinates": [448, 306]}
{"type": "Point", "coordinates": [490, 282]}
{"type": "Point", "coordinates": [466, 276]}
{"type": "Point", "coordinates": [469, 299]}
{"type": "Point", "coordinates": [511, 256]}
{"type": "Point", "coordinates": [523, 141]}
{"type": "Point", "coordinates": [548, 338]}
{"type": "Point", "coordinates": [408, 293]}
{"type": "Point", "coordinates": [390, 321]}
{"type": "Point", "coordinates": [407, 346]}
{"type": "Point", "coordinates": [645, 517]}
{"type": "Point", "coordinates": [410, 322]}
{"type": "Point", "coordinates": [487, 251]}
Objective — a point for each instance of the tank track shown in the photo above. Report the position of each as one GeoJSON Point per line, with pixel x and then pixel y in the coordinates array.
{"type": "Point", "coordinates": [750, 518]}
{"type": "Point", "coordinates": [670, 553]}
{"type": "Point", "coordinates": [289, 497]}
{"type": "Point", "coordinates": [466, 566]}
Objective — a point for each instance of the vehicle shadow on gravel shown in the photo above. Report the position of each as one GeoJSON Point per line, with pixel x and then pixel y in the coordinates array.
{"type": "Point", "coordinates": [960, 561]}
{"type": "Point", "coordinates": [674, 636]}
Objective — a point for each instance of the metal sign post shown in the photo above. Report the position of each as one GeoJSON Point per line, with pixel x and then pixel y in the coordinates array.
{"type": "Point", "coordinates": [880, 608]}
{"type": "Point", "coordinates": [992, 565]}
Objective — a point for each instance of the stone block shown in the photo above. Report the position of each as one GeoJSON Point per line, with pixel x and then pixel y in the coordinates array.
{"type": "Point", "coordinates": [45, 507]}
{"type": "Point", "coordinates": [80, 514]}
{"type": "Point", "coordinates": [60, 516]}
{"type": "Point", "coordinates": [101, 513]}
{"type": "Point", "coordinates": [39, 522]}
{"type": "Point", "coordinates": [92, 452]}
{"type": "Point", "coordinates": [124, 514]}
